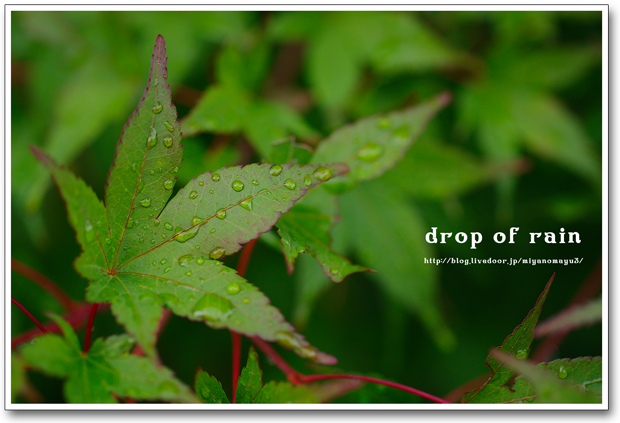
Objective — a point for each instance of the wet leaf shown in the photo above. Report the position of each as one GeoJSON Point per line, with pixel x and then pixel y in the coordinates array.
{"type": "Point", "coordinates": [142, 253]}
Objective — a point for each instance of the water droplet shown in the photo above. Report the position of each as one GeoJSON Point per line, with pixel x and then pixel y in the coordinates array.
{"type": "Point", "coordinates": [168, 141]}
{"type": "Point", "coordinates": [246, 203]}
{"type": "Point", "coordinates": [290, 184]}
{"type": "Point", "coordinates": [215, 177]}
{"type": "Point", "coordinates": [167, 269]}
{"type": "Point", "coordinates": [265, 190]}
{"type": "Point", "coordinates": [237, 185]}
{"type": "Point", "coordinates": [221, 214]}
{"type": "Point", "coordinates": [108, 241]}
{"type": "Point", "coordinates": [197, 247]}
{"type": "Point", "coordinates": [156, 222]}
{"type": "Point", "coordinates": [322, 174]}
{"type": "Point", "coordinates": [155, 82]}
{"type": "Point", "coordinates": [163, 261]}
{"type": "Point", "coordinates": [168, 226]}
{"type": "Point", "coordinates": [164, 236]}
{"type": "Point", "coordinates": [152, 172]}
{"type": "Point", "coordinates": [130, 223]}
{"type": "Point", "coordinates": [384, 123]}
{"type": "Point", "coordinates": [152, 241]}
{"type": "Point", "coordinates": [176, 169]}
{"type": "Point", "coordinates": [562, 372]}
{"type": "Point", "coordinates": [300, 250]}
{"type": "Point", "coordinates": [201, 183]}
{"type": "Point", "coordinates": [233, 288]}
{"type": "Point", "coordinates": [255, 182]}
{"type": "Point", "coordinates": [275, 170]}
{"type": "Point", "coordinates": [184, 236]}
{"type": "Point", "coordinates": [246, 300]}
{"type": "Point", "coordinates": [154, 263]}
{"type": "Point", "coordinates": [193, 195]}
{"type": "Point", "coordinates": [521, 354]}
{"type": "Point", "coordinates": [188, 273]}
{"type": "Point", "coordinates": [185, 260]}
{"type": "Point", "coordinates": [145, 202]}
{"type": "Point", "coordinates": [140, 240]}
{"type": "Point", "coordinates": [307, 181]}
{"type": "Point", "coordinates": [333, 271]}
{"type": "Point", "coordinates": [140, 185]}
{"type": "Point", "coordinates": [152, 139]}
{"type": "Point", "coordinates": [401, 132]}
{"type": "Point", "coordinates": [200, 260]}
{"type": "Point", "coordinates": [169, 184]}
{"type": "Point", "coordinates": [168, 126]}
{"type": "Point", "coordinates": [216, 253]}
{"type": "Point", "coordinates": [212, 231]}
{"type": "Point", "coordinates": [158, 107]}
{"type": "Point", "coordinates": [90, 232]}
{"type": "Point", "coordinates": [213, 308]}
{"type": "Point", "coordinates": [370, 152]}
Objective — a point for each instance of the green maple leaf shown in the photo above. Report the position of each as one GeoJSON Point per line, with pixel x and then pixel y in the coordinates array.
{"type": "Point", "coordinates": [142, 252]}
{"type": "Point", "coordinates": [516, 344]}
{"type": "Point", "coordinates": [250, 389]}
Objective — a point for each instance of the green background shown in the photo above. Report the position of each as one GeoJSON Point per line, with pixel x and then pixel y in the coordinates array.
{"type": "Point", "coordinates": [519, 146]}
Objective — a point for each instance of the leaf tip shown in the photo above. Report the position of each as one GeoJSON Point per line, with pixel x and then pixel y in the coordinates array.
{"type": "Point", "coordinates": [41, 156]}
{"type": "Point", "coordinates": [444, 98]}
{"type": "Point", "coordinates": [326, 359]}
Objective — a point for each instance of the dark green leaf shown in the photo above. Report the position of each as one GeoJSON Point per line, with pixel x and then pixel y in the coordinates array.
{"type": "Point", "coordinates": [209, 389]}
{"type": "Point", "coordinates": [251, 380]}
{"type": "Point", "coordinates": [516, 344]}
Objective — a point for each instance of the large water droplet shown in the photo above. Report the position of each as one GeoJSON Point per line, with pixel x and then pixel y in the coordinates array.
{"type": "Point", "coordinates": [370, 152]}
{"type": "Point", "coordinates": [237, 185]}
{"type": "Point", "coordinates": [185, 260]}
{"type": "Point", "coordinates": [168, 126]}
{"type": "Point", "coordinates": [216, 253]}
{"type": "Point", "coordinates": [322, 174]}
{"type": "Point", "coordinates": [196, 220]}
{"type": "Point", "coordinates": [255, 182]}
{"type": "Point", "coordinates": [212, 230]}
{"type": "Point", "coordinates": [333, 271]}
{"type": "Point", "coordinates": [215, 177]}
{"type": "Point", "coordinates": [201, 183]}
{"type": "Point", "coordinates": [233, 288]}
{"type": "Point", "coordinates": [163, 261]}
{"type": "Point", "coordinates": [200, 260]}
{"type": "Point", "coordinates": [275, 170]}
{"type": "Point", "coordinates": [193, 195]}
{"type": "Point", "coordinates": [213, 308]}
{"type": "Point", "coordinates": [290, 184]}
{"type": "Point", "coordinates": [168, 226]}
{"type": "Point", "coordinates": [221, 214]}
{"type": "Point", "coordinates": [184, 236]}
{"type": "Point", "coordinates": [246, 203]}
{"type": "Point", "coordinates": [168, 141]}
{"type": "Point", "coordinates": [307, 181]}
{"type": "Point", "coordinates": [156, 222]}
{"type": "Point", "coordinates": [167, 269]}
{"type": "Point", "coordinates": [146, 202]}
{"type": "Point", "coordinates": [158, 107]}
{"type": "Point", "coordinates": [152, 139]}
{"type": "Point", "coordinates": [562, 372]}
{"type": "Point", "coordinates": [521, 354]}
{"type": "Point", "coordinates": [169, 184]}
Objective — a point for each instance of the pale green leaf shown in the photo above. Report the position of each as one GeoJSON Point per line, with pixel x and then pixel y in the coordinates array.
{"type": "Point", "coordinates": [572, 318]}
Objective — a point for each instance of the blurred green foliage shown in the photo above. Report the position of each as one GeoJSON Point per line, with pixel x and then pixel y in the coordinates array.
{"type": "Point", "coordinates": [519, 146]}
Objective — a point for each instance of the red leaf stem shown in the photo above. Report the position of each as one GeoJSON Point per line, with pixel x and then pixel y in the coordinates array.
{"type": "Point", "coordinates": [76, 318]}
{"type": "Point", "coordinates": [22, 308]}
{"type": "Point", "coordinates": [314, 378]}
{"type": "Point", "coordinates": [297, 378]}
{"type": "Point", "coordinates": [45, 283]}
{"type": "Point", "coordinates": [236, 357]}
{"type": "Point", "coordinates": [89, 326]}
{"type": "Point", "coordinates": [242, 266]}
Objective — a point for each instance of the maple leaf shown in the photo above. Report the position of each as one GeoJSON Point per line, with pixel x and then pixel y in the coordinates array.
{"type": "Point", "coordinates": [142, 252]}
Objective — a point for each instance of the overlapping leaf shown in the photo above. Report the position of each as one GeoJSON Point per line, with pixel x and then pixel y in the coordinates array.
{"type": "Point", "coordinates": [140, 256]}
{"type": "Point", "coordinates": [561, 381]}
{"type": "Point", "coordinates": [373, 145]}
{"type": "Point", "coordinates": [250, 389]}
{"type": "Point", "coordinates": [107, 368]}
{"type": "Point", "coordinates": [516, 344]}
